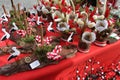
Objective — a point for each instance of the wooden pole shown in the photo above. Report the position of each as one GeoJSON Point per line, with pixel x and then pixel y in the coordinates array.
{"type": "Point", "coordinates": [73, 5]}
{"type": "Point", "coordinates": [41, 34]}
{"type": "Point", "coordinates": [85, 24]}
{"type": "Point", "coordinates": [98, 6]}
{"type": "Point", "coordinates": [4, 9]}
{"type": "Point", "coordinates": [25, 20]}
{"type": "Point", "coordinates": [12, 3]}
{"type": "Point", "coordinates": [14, 8]}
{"type": "Point", "coordinates": [18, 8]}
{"type": "Point", "coordinates": [18, 12]}
{"type": "Point", "coordinates": [104, 8]}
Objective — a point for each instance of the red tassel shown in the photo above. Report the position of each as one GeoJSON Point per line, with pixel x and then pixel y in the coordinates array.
{"type": "Point", "coordinates": [64, 10]}
{"type": "Point", "coordinates": [92, 14]}
{"type": "Point", "coordinates": [69, 9]}
{"type": "Point", "coordinates": [57, 6]}
{"type": "Point", "coordinates": [107, 13]}
{"type": "Point", "coordinates": [71, 23]}
{"type": "Point", "coordinates": [87, 9]}
{"type": "Point", "coordinates": [63, 2]}
{"type": "Point", "coordinates": [34, 6]}
{"type": "Point", "coordinates": [42, 1]}
{"type": "Point", "coordinates": [54, 25]}
{"type": "Point", "coordinates": [55, 17]}
{"type": "Point", "coordinates": [77, 7]}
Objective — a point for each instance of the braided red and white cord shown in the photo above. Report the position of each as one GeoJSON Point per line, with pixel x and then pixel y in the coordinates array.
{"type": "Point", "coordinates": [54, 54]}
{"type": "Point", "coordinates": [22, 33]}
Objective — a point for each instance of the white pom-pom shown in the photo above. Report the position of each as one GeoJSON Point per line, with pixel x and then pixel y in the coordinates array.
{"type": "Point", "coordinates": [95, 17]}
{"type": "Point", "coordinates": [91, 24]}
{"type": "Point", "coordinates": [101, 17]}
{"type": "Point", "coordinates": [80, 22]}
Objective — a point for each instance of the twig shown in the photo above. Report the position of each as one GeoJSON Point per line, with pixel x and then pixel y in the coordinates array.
{"type": "Point", "coordinates": [12, 3]}
{"type": "Point", "coordinates": [18, 13]}
{"type": "Point", "coordinates": [73, 5]}
{"type": "Point", "coordinates": [4, 9]}
{"type": "Point", "coordinates": [25, 20]}
{"type": "Point", "coordinates": [41, 34]}
{"type": "Point", "coordinates": [85, 25]}
{"type": "Point", "coordinates": [104, 8]}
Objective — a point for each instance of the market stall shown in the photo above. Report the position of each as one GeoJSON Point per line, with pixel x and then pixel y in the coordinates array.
{"type": "Point", "coordinates": [60, 40]}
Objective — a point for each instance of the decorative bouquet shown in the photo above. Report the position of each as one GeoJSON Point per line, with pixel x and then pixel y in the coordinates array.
{"type": "Point", "coordinates": [28, 30]}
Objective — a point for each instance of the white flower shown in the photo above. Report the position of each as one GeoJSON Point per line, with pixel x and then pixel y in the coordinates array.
{"type": "Point", "coordinates": [88, 37]}
{"type": "Point", "coordinates": [101, 25]}
{"type": "Point", "coordinates": [62, 26]}
{"type": "Point", "coordinates": [91, 24]}
{"type": "Point", "coordinates": [44, 10]}
{"type": "Point", "coordinates": [58, 14]}
{"type": "Point", "coordinates": [96, 17]}
{"type": "Point", "coordinates": [85, 14]}
{"type": "Point", "coordinates": [38, 8]}
{"type": "Point", "coordinates": [80, 22]}
{"type": "Point", "coordinates": [33, 11]}
{"type": "Point", "coordinates": [101, 17]}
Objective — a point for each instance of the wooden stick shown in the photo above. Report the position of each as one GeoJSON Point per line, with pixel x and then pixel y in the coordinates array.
{"type": "Point", "coordinates": [98, 3]}
{"type": "Point", "coordinates": [4, 9]}
{"type": "Point", "coordinates": [25, 20]}
{"type": "Point", "coordinates": [12, 3]}
{"type": "Point", "coordinates": [18, 8]}
{"type": "Point", "coordinates": [73, 5]}
{"type": "Point", "coordinates": [59, 3]}
{"type": "Point", "coordinates": [14, 8]}
{"type": "Point", "coordinates": [104, 8]}
{"type": "Point", "coordinates": [18, 12]}
{"type": "Point", "coordinates": [41, 34]}
{"type": "Point", "coordinates": [85, 25]}
{"type": "Point", "coordinates": [15, 11]}
{"type": "Point", "coordinates": [98, 6]}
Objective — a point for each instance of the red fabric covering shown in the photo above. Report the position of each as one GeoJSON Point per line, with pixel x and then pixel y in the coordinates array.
{"type": "Point", "coordinates": [62, 70]}
{"type": "Point", "coordinates": [106, 55]}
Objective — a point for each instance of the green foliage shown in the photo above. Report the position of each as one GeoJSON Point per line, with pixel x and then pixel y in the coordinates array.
{"type": "Point", "coordinates": [12, 13]}
{"type": "Point", "coordinates": [28, 39]}
{"type": "Point", "coordinates": [79, 1]}
{"type": "Point", "coordinates": [118, 23]}
{"type": "Point", "coordinates": [41, 52]}
{"type": "Point", "coordinates": [19, 21]}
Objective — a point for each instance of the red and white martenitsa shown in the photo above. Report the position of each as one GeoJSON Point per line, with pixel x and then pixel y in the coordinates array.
{"type": "Point", "coordinates": [5, 36]}
{"type": "Point", "coordinates": [14, 54]}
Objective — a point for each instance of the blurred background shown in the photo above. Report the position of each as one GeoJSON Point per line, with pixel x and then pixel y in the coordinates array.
{"type": "Point", "coordinates": [7, 3]}
{"type": "Point", "coordinates": [25, 3]}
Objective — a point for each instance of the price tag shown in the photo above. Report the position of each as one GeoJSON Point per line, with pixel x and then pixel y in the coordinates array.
{"type": "Point", "coordinates": [34, 64]}
{"type": "Point", "coordinates": [114, 35]}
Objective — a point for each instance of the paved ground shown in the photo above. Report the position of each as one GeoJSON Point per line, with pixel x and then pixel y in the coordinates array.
{"type": "Point", "coordinates": [27, 3]}
{"type": "Point", "coordinates": [7, 3]}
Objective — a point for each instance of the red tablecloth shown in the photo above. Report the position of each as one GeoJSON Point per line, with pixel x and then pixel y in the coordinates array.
{"type": "Point", "coordinates": [104, 54]}
{"type": "Point", "coordinates": [52, 72]}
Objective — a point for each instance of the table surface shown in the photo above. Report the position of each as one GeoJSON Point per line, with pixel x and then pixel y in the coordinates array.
{"type": "Point", "coordinates": [105, 54]}
{"type": "Point", "coordinates": [55, 72]}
